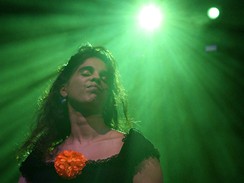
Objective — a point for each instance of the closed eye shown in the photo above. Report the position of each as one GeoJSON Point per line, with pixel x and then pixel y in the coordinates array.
{"type": "Point", "coordinates": [89, 71]}
{"type": "Point", "coordinates": [104, 76]}
{"type": "Point", "coordinates": [86, 71]}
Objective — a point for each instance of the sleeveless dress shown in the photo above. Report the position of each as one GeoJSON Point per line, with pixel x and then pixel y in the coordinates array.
{"type": "Point", "coordinates": [119, 168]}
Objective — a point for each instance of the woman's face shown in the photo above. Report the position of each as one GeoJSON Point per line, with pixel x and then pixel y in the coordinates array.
{"type": "Point", "coordinates": [88, 86]}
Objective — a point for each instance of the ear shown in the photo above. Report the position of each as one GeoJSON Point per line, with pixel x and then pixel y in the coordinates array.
{"type": "Point", "coordinates": [63, 91]}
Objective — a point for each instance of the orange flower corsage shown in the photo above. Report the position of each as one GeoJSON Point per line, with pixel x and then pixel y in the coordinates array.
{"type": "Point", "coordinates": [68, 164]}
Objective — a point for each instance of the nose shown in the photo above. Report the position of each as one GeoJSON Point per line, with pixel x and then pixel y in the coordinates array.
{"type": "Point", "coordinates": [96, 77]}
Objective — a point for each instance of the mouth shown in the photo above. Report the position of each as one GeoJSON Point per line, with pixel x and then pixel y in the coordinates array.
{"type": "Point", "coordinates": [94, 88]}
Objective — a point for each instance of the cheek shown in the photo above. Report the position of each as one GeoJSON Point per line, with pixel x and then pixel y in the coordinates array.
{"type": "Point", "coordinates": [75, 89]}
{"type": "Point", "coordinates": [105, 85]}
{"type": "Point", "coordinates": [107, 94]}
{"type": "Point", "coordinates": [105, 88]}
{"type": "Point", "coordinates": [78, 83]}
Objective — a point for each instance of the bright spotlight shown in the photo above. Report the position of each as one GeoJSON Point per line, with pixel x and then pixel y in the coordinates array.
{"type": "Point", "coordinates": [150, 17]}
{"type": "Point", "coordinates": [213, 13]}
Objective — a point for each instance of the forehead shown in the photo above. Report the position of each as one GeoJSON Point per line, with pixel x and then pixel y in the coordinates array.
{"type": "Point", "coordinates": [94, 62]}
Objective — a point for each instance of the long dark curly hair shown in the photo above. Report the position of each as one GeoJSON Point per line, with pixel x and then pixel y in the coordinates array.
{"type": "Point", "coordinates": [52, 123]}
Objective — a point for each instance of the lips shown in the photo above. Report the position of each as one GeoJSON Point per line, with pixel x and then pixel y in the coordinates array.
{"type": "Point", "coordinates": [94, 87]}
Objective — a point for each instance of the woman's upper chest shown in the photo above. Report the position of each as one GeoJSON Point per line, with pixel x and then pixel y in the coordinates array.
{"type": "Point", "coordinates": [96, 150]}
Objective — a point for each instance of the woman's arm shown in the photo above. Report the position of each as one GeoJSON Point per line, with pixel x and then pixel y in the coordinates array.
{"type": "Point", "coordinates": [149, 172]}
{"type": "Point", "coordinates": [22, 180]}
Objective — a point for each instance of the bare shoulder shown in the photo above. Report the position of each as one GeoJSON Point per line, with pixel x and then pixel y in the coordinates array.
{"type": "Point", "coordinates": [116, 134]}
{"type": "Point", "coordinates": [113, 141]}
{"type": "Point", "coordinates": [149, 172]}
{"type": "Point", "coordinates": [22, 179]}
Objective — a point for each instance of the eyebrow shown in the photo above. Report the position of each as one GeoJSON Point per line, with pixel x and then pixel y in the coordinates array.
{"type": "Point", "coordinates": [90, 68]}
{"type": "Point", "coordinates": [86, 67]}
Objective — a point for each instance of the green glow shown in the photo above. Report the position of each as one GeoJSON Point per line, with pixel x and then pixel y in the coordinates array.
{"type": "Point", "coordinates": [150, 17]}
{"type": "Point", "coordinates": [188, 101]}
{"type": "Point", "coordinates": [213, 13]}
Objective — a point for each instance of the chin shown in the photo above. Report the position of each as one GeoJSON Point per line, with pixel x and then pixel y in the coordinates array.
{"type": "Point", "coordinates": [92, 98]}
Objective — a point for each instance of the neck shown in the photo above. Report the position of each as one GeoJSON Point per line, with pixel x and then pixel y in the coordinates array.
{"type": "Point", "coordinates": [85, 128]}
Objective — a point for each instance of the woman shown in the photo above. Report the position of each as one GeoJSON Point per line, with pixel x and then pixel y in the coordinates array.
{"type": "Point", "coordinates": [79, 137]}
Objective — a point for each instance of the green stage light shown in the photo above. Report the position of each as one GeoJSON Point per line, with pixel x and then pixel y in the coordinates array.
{"type": "Point", "coordinates": [213, 13]}
{"type": "Point", "coordinates": [150, 17]}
